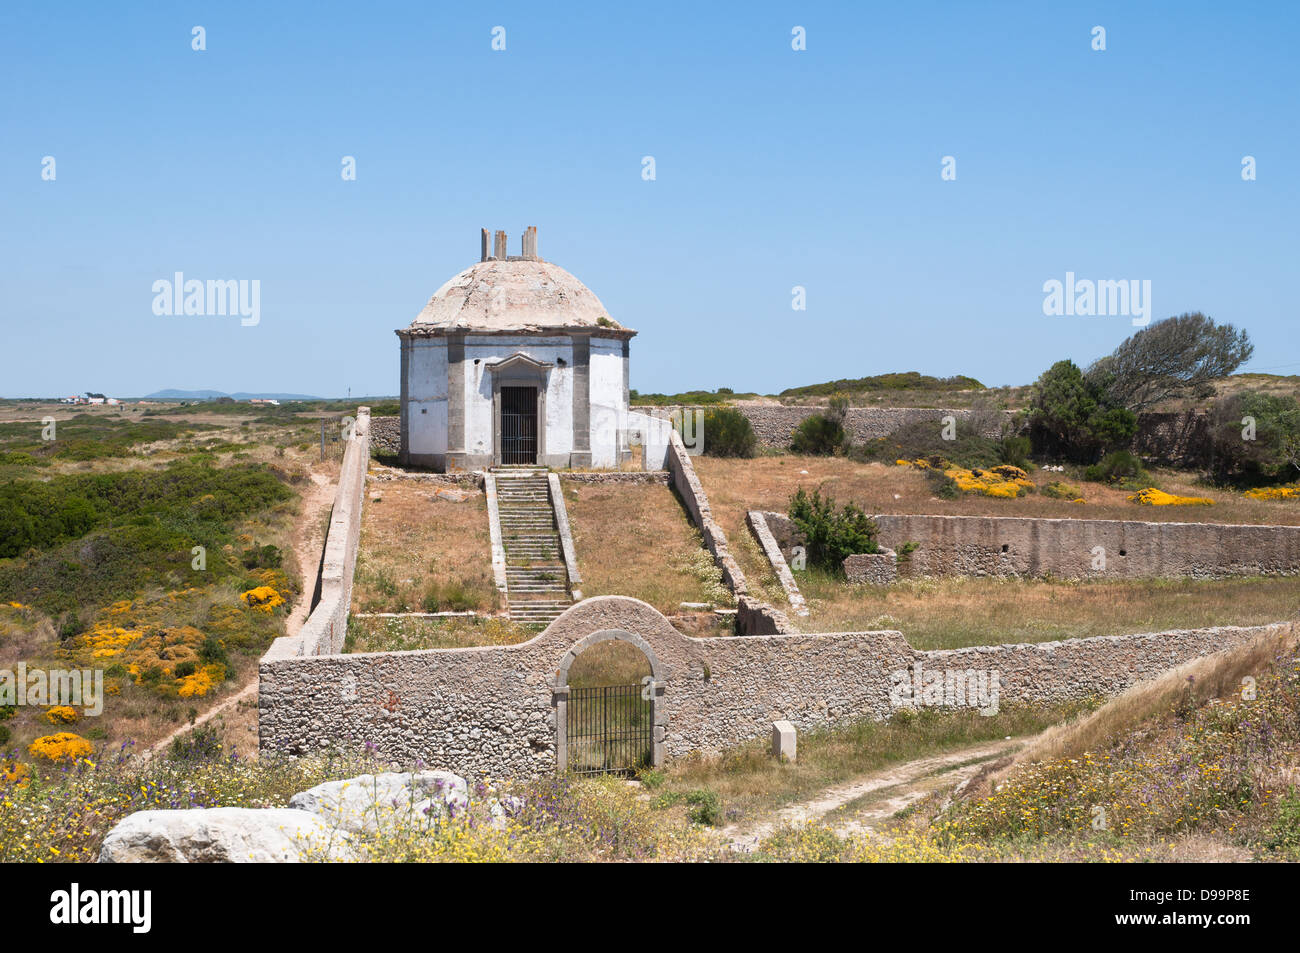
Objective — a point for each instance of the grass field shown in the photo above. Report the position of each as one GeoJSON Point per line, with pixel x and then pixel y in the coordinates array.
{"type": "Point", "coordinates": [423, 551]}
{"type": "Point", "coordinates": [636, 540]}
{"type": "Point", "coordinates": [160, 550]}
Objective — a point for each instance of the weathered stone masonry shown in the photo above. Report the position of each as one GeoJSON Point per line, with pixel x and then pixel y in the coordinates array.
{"type": "Point", "coordinates": [493, 711]}
{"type": "Point", "coordinates": [1022, 546]}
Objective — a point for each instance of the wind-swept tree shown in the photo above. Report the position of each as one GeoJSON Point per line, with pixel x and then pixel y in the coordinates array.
{"type": "Point", "coordinates": [1177, 357]}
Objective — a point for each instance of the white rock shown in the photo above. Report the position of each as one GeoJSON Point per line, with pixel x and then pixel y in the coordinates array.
{"type": "Point", "coordinates": [220, 835]}
{"type": "Point", "coordinates": [367, 802]}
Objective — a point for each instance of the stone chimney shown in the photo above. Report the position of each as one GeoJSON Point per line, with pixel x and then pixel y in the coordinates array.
{"type": "Point", "coordinates": [529, 243]}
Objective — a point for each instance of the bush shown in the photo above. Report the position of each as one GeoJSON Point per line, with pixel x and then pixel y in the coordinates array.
{"type": "Point", "coordinates": [1122, 468]}
{"type": "Point", "coordinates": [830, 534]}
{"type": "Point", "coordinates": [1057, 490]}
{"type": "Point", "coordinates": [1273, 455]}
{"type": "Point", "coordinates": [5, 735]}
{"type": "Point", "coordinates": [728, 433]}
{"type": "Point", "coordinates": [1015, 451]}
{"type": "Point", "coordinates": [706, 807]}
{"type": "Point", "coordinates": [819, 435]}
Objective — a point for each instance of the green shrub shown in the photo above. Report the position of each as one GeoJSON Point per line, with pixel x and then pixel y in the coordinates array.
{"type": "Point", "coordinates": [819, 435]}
{"type": "Point", "coordinates": [728, 433]}
{"type": "Point", "coordinates": [1269, 454]}
{"type": "Point", "coordinates": [706, 807]}
{"type": "Point", "coordinates": [1122, 468]}
{"type": "Point", "coordinates": [1015, 451]}
{"type": "Point", "coordinates": [831, 534]}
{"type": "Point", "coordinates": [5, 735]}
{"type": "Point", "coordinates": [1057, 490]}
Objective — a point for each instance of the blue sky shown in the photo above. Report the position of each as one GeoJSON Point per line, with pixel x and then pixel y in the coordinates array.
{"type": "Point", "coordinates": [774, 168]}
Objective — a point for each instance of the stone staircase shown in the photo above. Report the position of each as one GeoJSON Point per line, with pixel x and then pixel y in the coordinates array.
{"type": "Point", "coordinates": [537, 582]}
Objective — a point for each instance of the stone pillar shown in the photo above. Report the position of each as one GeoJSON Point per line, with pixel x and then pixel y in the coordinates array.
{"type": "Point", "coordinates": [483, 252]}
{"type": "Point", "coordinates": [456, 401]}
{"type": "Point", "coordinates": [500, 251]}
{"type": "Point", "coordinates": [783, 741]}
{"type": "Point", "coordinates": [404, 445]}
{"type": "Point", "coordinates": [581, 455]}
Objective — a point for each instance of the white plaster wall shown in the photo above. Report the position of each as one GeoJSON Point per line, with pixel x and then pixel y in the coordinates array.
{"type": "Point", "coordinates": [608, 412]}
{"type": "Point", "coordinates": [478, 387]}
{"type": "Point", "coordinates": [426, 395]}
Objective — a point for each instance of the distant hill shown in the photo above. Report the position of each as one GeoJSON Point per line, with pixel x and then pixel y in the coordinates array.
{"type": "Point", "coordinates": [908, 380]}
{"type": "Point", "coordinates": [173, 394]}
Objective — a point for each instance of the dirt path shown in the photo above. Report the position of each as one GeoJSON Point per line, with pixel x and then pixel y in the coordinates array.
{"type": "Point", "coordinates": [864, 803]}
{"type": "Point", "coordinates": [308, 540]}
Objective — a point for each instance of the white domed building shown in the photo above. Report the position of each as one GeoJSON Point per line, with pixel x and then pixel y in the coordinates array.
{"type": "Point", "coordinates": [514, 361]}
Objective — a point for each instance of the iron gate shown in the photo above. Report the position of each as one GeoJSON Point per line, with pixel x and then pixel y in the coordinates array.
{"type": "Point", "coordinates": [518, 425]}
{"type": "Point", "coordinates": [609, 729]}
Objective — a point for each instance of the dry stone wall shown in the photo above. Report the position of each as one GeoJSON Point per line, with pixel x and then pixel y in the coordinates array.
{"type": "Point", "coordinates": [498, 711]}
{"type": "Point", "coordinates": [1124, 549]}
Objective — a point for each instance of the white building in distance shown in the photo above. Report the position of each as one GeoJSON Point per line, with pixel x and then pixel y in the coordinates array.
{"type": "Point", "coordinates": [514, 361]}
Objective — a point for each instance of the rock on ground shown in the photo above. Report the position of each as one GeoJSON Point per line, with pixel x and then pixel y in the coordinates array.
{"type": "Point", "coordinates": [220, 835]}
{"type": "Point", "coordinates": [370, 801]}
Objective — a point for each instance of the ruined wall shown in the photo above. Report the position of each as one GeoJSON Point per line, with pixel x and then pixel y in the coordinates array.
{"type": "Point", "coordinates": [493, 711]}
{"type": "Point", "coordinates": [1016, 546]}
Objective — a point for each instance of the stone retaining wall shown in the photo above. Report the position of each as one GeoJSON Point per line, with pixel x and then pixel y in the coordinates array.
{"type": "Point", "coordinates": [385, 436]}
{"type": "Point", "coordinates": [499, 710]}
{"type": "Point", "coordinates": [325, 628]}
{"type": "Point", "coordinates": [1070, 548]}
{"type": "Point", "coordinates": [753, 616]}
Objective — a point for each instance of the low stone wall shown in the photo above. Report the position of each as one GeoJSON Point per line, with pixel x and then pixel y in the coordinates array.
{"type": "Point", "coordinates": [876, 569]}
{"type": "Point", "coordinates": [615, 477]}
{"type": "Point", "coordinates": [385, 436]}
{"type": "Point", "coordinates": [1071, 548]}
{"type": "Point", "coordinates": [501, 710]}
{"type": "Point", "coordinates": [772, 550]}
{"type": "Point", "coordinates": [325, 628]}
{"type": "Point", "coordinates": [775, 425]}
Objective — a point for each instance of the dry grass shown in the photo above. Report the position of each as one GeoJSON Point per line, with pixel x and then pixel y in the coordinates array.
{"type": "Point", "coordinates": [950, 613]}
{"type": "Point", "coordinates": [767, 483]}
{"type": "Point", "coordinates": [1190, 684]}
{"type": "Point", "coordinates": [420, 550]}
{"type": "Point", "coordinates": [408, 634]}
{"type": "Point", "coordinates": [751, 783]}
{"type": "Point", "coordinates": [636, 540]}
{"type": "Point", "coordinates": [609, 663]}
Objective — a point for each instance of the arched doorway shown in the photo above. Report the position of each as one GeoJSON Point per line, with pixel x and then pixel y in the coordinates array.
{"type": "Point", "coordinates": [609, 719]}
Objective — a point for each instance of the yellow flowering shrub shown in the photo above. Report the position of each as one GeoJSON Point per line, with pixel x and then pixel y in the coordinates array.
{"type": "Point", "coordinates": [64, 746]}
{"type": "Point", "coordinates": [1275, 493]}
{"type": "Point", "coordinates": [1153, 497]}
{"type": "Point", "coordinates": [1004, 482]}
{"type": "Point", "coordinates": [200, 682]}
{"type": "Point", "coordinates": [62, 715]}
{"type": "Point", "coordinates": [263, 598]}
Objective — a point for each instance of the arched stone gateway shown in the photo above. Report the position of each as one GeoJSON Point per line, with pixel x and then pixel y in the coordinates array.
{"type": "Point", "coordinates": [613, 727]}
{"type": "Point", "coordinates": [501, 711]}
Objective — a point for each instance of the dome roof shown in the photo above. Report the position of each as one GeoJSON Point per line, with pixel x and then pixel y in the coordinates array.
{"type": "Point", "coordinates": [515, 294]}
